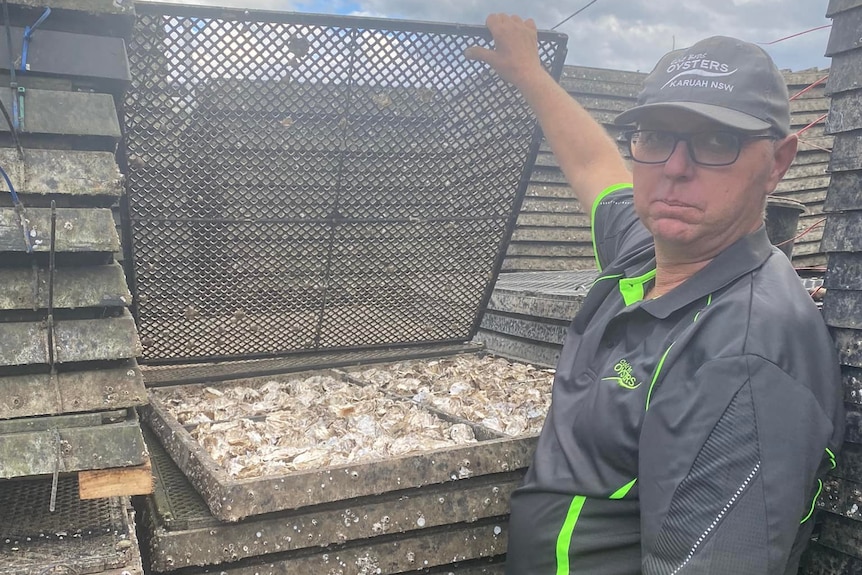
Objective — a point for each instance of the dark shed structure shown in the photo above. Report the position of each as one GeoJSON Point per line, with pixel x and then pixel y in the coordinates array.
{"type": "Point", "coordinates": [837, 548]}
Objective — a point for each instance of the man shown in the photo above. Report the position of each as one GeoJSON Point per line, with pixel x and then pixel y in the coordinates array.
{"type": "Point", "coordinates": [697, 403]}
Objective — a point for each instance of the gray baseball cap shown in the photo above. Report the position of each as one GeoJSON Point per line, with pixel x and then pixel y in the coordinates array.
{"type": "Point", "coordinates": [724, 79]}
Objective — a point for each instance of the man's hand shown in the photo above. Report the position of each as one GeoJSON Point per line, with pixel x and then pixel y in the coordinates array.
{"type": "Point", "coordinates": [515, 56]}
{"type": "Point", "coordinates": [588, 157]}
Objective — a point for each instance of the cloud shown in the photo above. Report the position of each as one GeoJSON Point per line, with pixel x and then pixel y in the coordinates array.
{"type": "Point", "coordinates": [619, 34]}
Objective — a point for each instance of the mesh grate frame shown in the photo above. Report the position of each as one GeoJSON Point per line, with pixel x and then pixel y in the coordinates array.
{"type": "Point", "coordinates": [302, 183]}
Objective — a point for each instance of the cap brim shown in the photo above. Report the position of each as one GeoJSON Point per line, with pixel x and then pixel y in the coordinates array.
{"type": "Point", "coordinates": [729, 118]}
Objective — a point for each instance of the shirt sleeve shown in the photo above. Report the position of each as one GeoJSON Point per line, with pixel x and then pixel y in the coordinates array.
{"type": "Point", "coordinates": [616, 229]}
{"type": "Point", "coordinates": [730, 464]}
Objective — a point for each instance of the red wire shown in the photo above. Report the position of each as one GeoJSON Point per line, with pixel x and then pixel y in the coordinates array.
{"type": "Point", "coordinates": [814, 85]}
{"type": "Point", "coordinates": [795, 35]}
{"type": "Point", "coordinates": [811, 125]}
{"type": "Point", "coordinates": [817, 291]}
{"type": "Point", "coordinates": [808, 143]}
{"type": "Point", "coordinates": [806, 231]}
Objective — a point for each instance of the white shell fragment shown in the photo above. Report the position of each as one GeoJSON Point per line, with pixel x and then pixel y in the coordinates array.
{"type": "Point", "coordinates": [256, 428]}
{"type": "Point", "coordinates": [510, 398]}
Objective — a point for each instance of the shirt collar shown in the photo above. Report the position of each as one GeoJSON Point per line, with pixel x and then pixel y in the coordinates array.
{"type": "Point", "coordinates": [743, 256]}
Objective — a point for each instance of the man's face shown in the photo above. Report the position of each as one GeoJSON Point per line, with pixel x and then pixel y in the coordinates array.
{"type": "Point", "coordinates": [693, 211]}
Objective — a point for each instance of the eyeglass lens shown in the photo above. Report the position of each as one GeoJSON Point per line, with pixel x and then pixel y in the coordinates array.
{"type": "Point", "coordinates": [706, 148]}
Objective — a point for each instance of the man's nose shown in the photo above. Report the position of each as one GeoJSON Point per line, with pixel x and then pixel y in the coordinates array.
{"type": "Point", "coordinates": [680, 163]}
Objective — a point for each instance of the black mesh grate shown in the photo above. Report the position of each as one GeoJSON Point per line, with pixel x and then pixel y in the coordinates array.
{"type": "Point", "coordinates": [25, 510]}
{"type": "Point", "coordinates": [77, 537]}
{"type": "Point", "coordinates": [303, 183]}
{"type": "Point", "coordinates": [177, 504]}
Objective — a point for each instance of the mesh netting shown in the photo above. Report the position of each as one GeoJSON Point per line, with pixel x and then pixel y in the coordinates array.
{"type": "Point", "coordinates": [300, 183]}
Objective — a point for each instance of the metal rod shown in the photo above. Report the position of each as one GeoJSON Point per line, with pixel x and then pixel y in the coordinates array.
{"type": "Point", "coordinates": [51, 270]}
{"type": "Point", "coordinates": [56, 475]}
{"type": "Point", "coordinates": [159, 9]}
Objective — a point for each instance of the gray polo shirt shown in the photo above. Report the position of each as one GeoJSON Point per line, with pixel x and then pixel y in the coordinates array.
{"type": "Point", "coordinates": [688, 433]}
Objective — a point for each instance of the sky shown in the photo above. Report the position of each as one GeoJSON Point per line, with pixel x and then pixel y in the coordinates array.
{"type": "Point", "coordinates": [615, 34]}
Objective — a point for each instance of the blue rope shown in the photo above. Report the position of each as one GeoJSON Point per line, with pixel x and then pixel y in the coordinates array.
{"type": "Point", "coordinates": [28, 35]}
{"type": "Point", "coordinates": [19, 208]}
{"type": "Point", "coordinates": [15, 199]}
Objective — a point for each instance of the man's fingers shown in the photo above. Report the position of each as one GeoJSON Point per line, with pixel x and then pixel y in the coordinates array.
{"type": "Point", "coordinates": [479, 53]}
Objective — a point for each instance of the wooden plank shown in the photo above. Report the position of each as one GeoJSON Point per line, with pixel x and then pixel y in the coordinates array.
{"type": "Point", "coordinates": [61, 421]}
{"type": "Point", "coordinates": [837, 6]}
{"type": "Point", "coordinates": [76, 55]}
{"type": "Point", "coordinates": [808, 260]}
{"type": "Point", "coordinates": [809, 169]}
{"type": "Point", "coordinates": [511, 264]}
{"type": "Point", "coordinates": [841, 534]}
{"type": "Point", "coordinates": [98, 339]}
{"type": "Point", "coordinates": [842, 308]}
{"type": "Point", "coordinates": [67, 113]}
{"type": "Point", "coordinates": [841, 497]}
{"type": "Point", "coordinates": [101, 7]}
{"type": "Point", "coordinates": [594, 104]}
{"type": "Point", "coordinates": [812, 198]}
{"type": "Point", "coordinates": [814, 145]}
{"type": "Point", "coordinates": [537, 234]}
{"type": "Point", "coordinates": [804, 107]}
{"type": "Point", "coordinates": [544, 355]}
{"type": "Point", "coordinates": [98, 286]}
{"type": "Point", "coordinates": [41, 394]}
{"type": "Point", "coordinates": [80, 448]}
{"type": "Point", "coordinates": [549, 250]}
{"type": "Point", "coordinates": [804, 77]}
{"type": "Point", "coordinates": [603, 75]}
{"type": "Point", "coordinates": [536, 305]}
{"type": "Point", "coordinates": [814, 121]}
{"type": "Point", "coordinates": [535, 190]}
{"type": "Point", "coordinates": [116, 482]}
{"type": "Point", "coordinates": [551, 205]}
{"type": "Point", "coordinates": [533, 329]}
{"type": "Point", "coordinates": [849, 460]}
{"type": "Point", "coordinates": [562, 265]}
{"type": "Point", "coordinates": [843, 232]}
{"type": "Point", "coordinates": [803, 183]}
{"type": "Point", "coordinates": [853, 430]}
{"type": "Point", "coordinates": [821, 560]}
{"type": "Point", "coordinates": [78, 230]}
{"type": "Point", "coordinates": [806, 249]}
{"type": "Point", "coordinates": [846, 112]}
{"type": "Point", "coordinates": [578, 220]}
{"type": "Point", "coordinates": [26, 343]}
{"type": "Point", "coordinates": [576, 86]}
{"type": "Point", "coordinates": [844, 192]}
{"type": "Point", "coordinates": [66, 172]}
{"type": "Point", "coordinates": [845, 271]}
{"type": "Point", "coordinates": [846, 72]}
{"type": "Point", "coordinates": [845, 32]}
{"type": "Point", "coordinates": [848, 342]}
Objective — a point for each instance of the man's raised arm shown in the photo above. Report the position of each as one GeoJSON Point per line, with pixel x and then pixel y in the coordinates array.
{"type": "Point", "coordinates": [587, 155]}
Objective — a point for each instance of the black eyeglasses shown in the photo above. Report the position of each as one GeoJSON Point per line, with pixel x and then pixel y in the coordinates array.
{"type": "Point", "coordinates": [714, 148]}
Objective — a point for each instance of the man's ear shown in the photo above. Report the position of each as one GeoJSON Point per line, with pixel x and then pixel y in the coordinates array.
{"type": "Point", "coordinates": [785, 152]}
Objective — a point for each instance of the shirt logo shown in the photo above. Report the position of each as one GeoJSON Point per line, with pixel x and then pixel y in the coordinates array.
{"type": "Point", "coordinates": [624, 378]}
